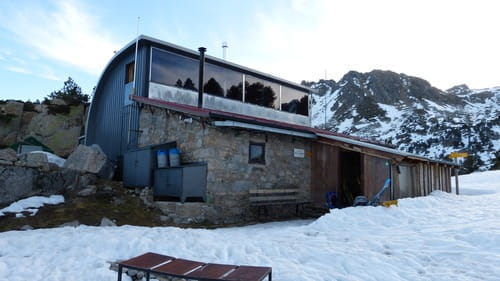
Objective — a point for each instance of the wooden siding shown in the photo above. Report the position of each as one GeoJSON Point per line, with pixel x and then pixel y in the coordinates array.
{"type": "Point", "coordinates": [410, 177]}
{"type": "Point", "coordinates": [325, 171]}
{"type": "Point", "coordinates": [375, 171]}
{"type": "Point", "coordinates": [403, 182]}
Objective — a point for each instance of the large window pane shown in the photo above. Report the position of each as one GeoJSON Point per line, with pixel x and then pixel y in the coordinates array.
{"type": "Point", "coordinates": [261, 92]}
{"type": "Point", "coordinates": [294, 101]}
{"type": "Point", "coordinates": [174, 70]}
{"type": "Point", "coordinates": [223, 82]}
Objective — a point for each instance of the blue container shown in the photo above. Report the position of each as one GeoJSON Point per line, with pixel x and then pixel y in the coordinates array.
{"type": "Point", "coordinates": [161, 157]}
{"type": "Point", "coordinates": [174, 156]}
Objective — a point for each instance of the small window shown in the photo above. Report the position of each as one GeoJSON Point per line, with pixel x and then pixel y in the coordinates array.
{"type": "Point", "coordinates": [257, 153]}
{"type": "Point", "coordinates": [129, 73]}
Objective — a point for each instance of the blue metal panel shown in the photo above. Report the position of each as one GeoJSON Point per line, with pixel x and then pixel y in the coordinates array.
{"type": "Point", "coordinates": [110, 123]}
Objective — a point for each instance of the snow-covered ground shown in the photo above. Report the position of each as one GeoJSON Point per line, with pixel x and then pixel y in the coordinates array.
{"type": "Point", "coordinates": [439, 237]}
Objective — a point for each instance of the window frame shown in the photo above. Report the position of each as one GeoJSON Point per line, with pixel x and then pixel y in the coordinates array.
{"type": "Point", "coordinates": [260, 160]}
{"type": "Point", "coordinates": [129, 72]}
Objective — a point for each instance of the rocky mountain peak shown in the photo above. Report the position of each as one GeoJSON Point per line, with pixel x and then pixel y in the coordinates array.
{"type": "Point", "coordinates": [459, 90]}
{"type": "Point", "coordinates": [410, 113]}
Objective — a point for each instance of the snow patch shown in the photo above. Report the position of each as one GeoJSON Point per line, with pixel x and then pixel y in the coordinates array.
{"type": "Point", "coordinates": [31, 204]}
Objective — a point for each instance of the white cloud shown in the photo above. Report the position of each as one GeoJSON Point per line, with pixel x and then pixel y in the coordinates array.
{"type": "Point", "coordinates": [67, 32]}
{"type": "Point", "coordinates": [38, 70]}
{"type": "Point", "coordinates": [444, 42]}
{"type": "Point", "coordinates": [18, 69]}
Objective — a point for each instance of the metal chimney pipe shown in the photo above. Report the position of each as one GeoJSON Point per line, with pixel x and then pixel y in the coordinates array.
{"type": "Point", "coordinates": [224, 50]}
{"type": "Point", "coordinates": [200, 77]}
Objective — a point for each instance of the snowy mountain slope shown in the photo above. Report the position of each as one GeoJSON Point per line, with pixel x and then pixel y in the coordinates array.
{"type": "Point", "coordinates": [412, 115]}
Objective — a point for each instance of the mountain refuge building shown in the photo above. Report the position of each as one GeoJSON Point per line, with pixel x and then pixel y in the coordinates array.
{"type": "Point", "coordinates": [208, 136]}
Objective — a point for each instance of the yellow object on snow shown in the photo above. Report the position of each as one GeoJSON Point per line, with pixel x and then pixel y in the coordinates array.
{"type": "Point", "coordinates": [390, 203]}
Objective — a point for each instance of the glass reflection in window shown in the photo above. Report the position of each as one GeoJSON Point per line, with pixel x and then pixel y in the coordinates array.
{"type": "Point", "coordinates": [175, 70]}
{"type": "Point", "coordinates": [294, 101]}
{"type": "Point", "coordinates": [261, 92]}
{"type": "Point", "coordinates": [222, 82]}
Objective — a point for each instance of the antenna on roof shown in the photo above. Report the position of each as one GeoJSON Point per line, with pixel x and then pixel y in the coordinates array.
{"type": "Point", "coordinates": [135, 58]}
{"type": "Point", "coordinates": [224, 50]}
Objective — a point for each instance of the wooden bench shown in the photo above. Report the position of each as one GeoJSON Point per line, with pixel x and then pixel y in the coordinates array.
{"type": "Point", "coordinates": [269, 197]}
{"type": "Point", "coordinates": [161, 265]}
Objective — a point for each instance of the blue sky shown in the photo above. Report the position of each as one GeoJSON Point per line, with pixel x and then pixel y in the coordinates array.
{"type": "Point", "coordinates": [445, 42]}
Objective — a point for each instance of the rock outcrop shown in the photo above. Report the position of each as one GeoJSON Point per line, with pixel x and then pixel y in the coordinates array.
{"type": "Point", "coordinates": [55, 124]}
{"type": "Point", "coordinates": [32, 174]}
{"type": "Point", "coordinates": [17, 182]}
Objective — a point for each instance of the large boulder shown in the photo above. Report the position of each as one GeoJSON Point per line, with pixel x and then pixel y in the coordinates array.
{"type": "Point", "coordinates": [90, 159]}
{"type": "Point", "coordinates": [8, 156]}
{"type": "Point", "coordinates": [16, 183]}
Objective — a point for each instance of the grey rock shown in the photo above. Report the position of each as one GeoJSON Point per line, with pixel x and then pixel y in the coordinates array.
{"type": "Point", "coordinates": [54, 182]}
{"type": "Point", "coordinates": [6, 163]}
{"type": "Point", "coordinates": [87, 179]}
{"type": "Point", "coordinates": [34, 159]}
{"type": "Point", "coordinates": [107, 222]}
{"type": "Point", "coordinates": [118, 201]}
{"type": "Point", "coordinates": [16, 183]}
{"type": "Point", "coordinates": [90, 159]}
{"type": "Point", "coordinates": [89, 190]}
{"type": "Point", "coordinates": [165, 219]}
{"type": "Point", "coordinates": [82, 181]}
{"type": "Point", "coordinates": [108, 188]}
{"type": "Point", "coordinates": [26, 227]}
{"type": "Point", "coordinates": [8, 155]}
{"type": "Point", "coordinates": [53, 167]}
{"type": "Point", "coordinates": [74, 223]}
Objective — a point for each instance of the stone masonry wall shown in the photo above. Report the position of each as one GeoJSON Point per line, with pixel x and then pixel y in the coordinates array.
{"type": "Point", "coordinates": [226, 151]}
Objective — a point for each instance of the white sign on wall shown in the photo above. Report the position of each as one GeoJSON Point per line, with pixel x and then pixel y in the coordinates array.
{"type": "Point", "coordinates": [298, 152]}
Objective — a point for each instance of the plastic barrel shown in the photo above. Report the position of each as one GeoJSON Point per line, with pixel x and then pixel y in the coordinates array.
{"type": "Point", "coordinates": [161, 156]}
{"type": "Point", "coordinates": [173, 154]}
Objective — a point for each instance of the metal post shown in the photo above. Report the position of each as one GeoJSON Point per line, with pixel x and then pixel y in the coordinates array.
{"type": "Point", "coordinates": [134, 85]}
{"type": "Point", "coordinates": [325, 113]}
{"type": "Point", "coordinates": [456, 181]}
{"type": "Point", "coordinates": [200, 77]}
